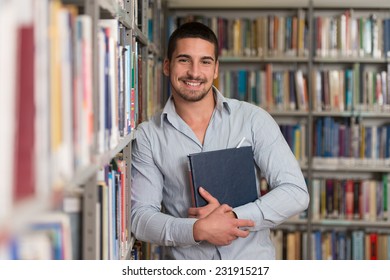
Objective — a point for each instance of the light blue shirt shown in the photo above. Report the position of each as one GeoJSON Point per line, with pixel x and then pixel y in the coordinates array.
{"type": "Point", "coordinates": [160, 177]}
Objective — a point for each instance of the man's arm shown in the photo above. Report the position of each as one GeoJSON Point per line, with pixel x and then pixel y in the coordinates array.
{"type": "Point", "coordinates": [220, 227]}
{"type": "Point", "coordinates": [217, 224]}
{"type": "Point", "coordinates": [288, 195]}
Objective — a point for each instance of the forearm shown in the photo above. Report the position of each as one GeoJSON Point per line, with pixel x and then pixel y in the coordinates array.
{"type": "Point", "coordinates": [159, 228]}
{"type": "Point", "coordinates": [275, 207]}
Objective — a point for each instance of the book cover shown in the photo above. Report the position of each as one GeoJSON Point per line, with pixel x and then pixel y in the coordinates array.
{"type": "Point", "coordinates": [228, 174]}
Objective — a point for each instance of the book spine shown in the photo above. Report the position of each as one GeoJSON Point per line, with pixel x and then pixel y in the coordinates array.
{"type": "Point", "coordinates": [192, 187]}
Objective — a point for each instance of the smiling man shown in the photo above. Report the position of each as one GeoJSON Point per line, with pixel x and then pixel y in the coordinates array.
{"type": "Point", "coordinates": [197, 118]}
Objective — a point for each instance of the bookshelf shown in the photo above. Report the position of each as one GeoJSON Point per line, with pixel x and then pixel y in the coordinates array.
{"type": "Point", "coordinates": [259, 63]}
{"type": "Point", "coordinates": [76, 80]}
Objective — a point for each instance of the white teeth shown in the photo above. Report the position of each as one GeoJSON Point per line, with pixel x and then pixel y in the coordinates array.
{"type": "Point", "coordinates": [193, 84]}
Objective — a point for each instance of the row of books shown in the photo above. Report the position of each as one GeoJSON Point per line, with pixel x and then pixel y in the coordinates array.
{"type": "Point", "coordinates": [348, 199]}
{"type": "Point", "coordinates": [120, 88]}
{"type": "Point", "coordinates": [347, 34]}
{"type": "Point", "coordinates": [350, 245]}
{"type": "Point", "coordinates": [272, 90]}
{"type": "Point", "coordinates": [113, 211]}
{"type": "Point", "coordinates": [261, 36]}
{"type": "Point", "coordinates": [295, 135]}
{"type": "Point", "coordinates": [346, 138]}
{"type": "Point", "coordinates": [146, 251]}
{"type": "Point", "coordinates": [332, 245]}
{"type": "Point", "coordinates": [154, 96]}
{"type": "Point", "coordinates": [357, 89]}
{"type": "Point", "coordinates": [47, 237]}
{"type": "Point", "coordinates": [289, 245]}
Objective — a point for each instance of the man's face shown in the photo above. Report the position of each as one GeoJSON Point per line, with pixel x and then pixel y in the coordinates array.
{"type": "Point", "coordinates": [192, 69]}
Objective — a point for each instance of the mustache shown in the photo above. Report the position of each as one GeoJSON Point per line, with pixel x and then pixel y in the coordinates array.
{"type": "Point", "coordinates": [192, 78]}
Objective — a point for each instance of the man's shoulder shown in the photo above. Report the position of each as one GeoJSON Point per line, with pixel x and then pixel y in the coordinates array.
{"type": "Point", "coordinates": [244, 107]}
{"type": "Point", "coordinates": [151, 124]}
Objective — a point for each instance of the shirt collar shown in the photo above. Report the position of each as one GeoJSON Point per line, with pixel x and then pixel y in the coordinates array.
{"type": "Point", "coordinates": [170, 110]}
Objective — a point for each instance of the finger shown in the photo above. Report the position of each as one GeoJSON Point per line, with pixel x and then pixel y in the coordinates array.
{"type": "Point", "coordinates": [192, 211]}
{"type": "Point", "coordinates": [241, 233]}
{"type": "Point", "coordinates": [207, 196]}
{"type": "Point", "coordinates": [244, 223]}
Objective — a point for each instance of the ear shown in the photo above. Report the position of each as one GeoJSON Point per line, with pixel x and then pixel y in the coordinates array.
{"type": "Point", "coordinates": [166, 67]}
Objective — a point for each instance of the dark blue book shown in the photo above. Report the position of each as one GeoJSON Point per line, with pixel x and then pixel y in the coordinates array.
{"type": "Point", "coordinates": [228, 175]}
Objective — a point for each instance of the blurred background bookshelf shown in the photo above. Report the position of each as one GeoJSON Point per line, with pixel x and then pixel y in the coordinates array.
{"type": "Point", "coordinates": [76, 79]}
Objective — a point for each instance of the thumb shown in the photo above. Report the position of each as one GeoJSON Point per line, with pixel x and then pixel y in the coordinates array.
{"type": "Point", "coordinates": [207, 196]}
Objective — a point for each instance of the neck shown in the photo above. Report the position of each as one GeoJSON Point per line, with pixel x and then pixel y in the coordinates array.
{"type": "Point", "coordinates": [197, 115]}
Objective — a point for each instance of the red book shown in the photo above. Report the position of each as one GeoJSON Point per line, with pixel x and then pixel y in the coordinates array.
{"type": "Point", "coordinates": [373, 246]}
{"type": "Point", "coordinates": [25, 115]}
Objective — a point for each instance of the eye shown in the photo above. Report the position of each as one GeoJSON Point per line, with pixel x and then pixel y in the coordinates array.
{"type": "Point", "coordinates": [207, 62]}
{"type": "Point", "coordinates": [183, 60]}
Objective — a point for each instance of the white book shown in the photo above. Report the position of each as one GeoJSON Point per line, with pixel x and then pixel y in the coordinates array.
{"type": "Point", "coordinates": [299, 86]}
{"type": "Point", "coordinates": [55, 92]}
{"type": "Point", "coordinates": [354, 37]}
{"type": "Point", "coordinates": [112, 25]}
{"type": "Point", "coordinates": [376, 48]}
{"type": "Point", "coordinates": [35, 246]}
{"type": "Point", "coordinates": [57, 221]}
{"type": "Point", "coordinates": [383, 78]}
{"type": "Point", "coordinates": [341, 90]}
{"type": "Point", "coordinates": [316, 194]}
{"type": "Point", "coordinates": [83, 95]}
{"type": "Point", "coordinates": [343, 35]}
{"type": "Point", "coordinates": [102, 135]}
{"type": "Point", "coordinates": [8, 48]}
{"type": "Point", "coordinates": [42, 100]}
{"type": "Point", "coordinates": [367, 43]}
{"type": "Point", "coordinates": [66, 42]}
{"type": "Point", "coordinates": [334, 90]}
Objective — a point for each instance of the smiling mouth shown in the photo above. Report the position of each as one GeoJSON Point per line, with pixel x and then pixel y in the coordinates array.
{"type": "Point", "coordinates": [192, 84]}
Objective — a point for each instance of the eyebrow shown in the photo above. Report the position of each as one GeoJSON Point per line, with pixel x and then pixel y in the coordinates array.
{"type": "Point", "coordinates": [188, 56]}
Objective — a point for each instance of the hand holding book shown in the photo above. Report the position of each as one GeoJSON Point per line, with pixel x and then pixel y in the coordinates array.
{"type": "Point", "coordinates": [220, 228]}
{"type": "Point", "coordinates": [202, 212]}
{"type": "Point", "coordinates": [212, 204]}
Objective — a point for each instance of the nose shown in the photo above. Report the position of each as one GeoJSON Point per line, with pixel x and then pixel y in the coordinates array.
{"type": "Point", "coordinates": [193, 70]}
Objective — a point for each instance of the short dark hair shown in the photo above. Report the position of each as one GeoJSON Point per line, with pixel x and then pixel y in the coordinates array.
{"type": "Point", "coordinates": [192, 29]}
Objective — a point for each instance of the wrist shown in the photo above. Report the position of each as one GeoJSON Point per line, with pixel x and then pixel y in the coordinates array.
{"type": "Point", "coordinates": [197, 231]}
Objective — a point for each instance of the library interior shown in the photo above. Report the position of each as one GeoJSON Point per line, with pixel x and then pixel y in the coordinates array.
{"type": "Point", "coordinates": [85, 74]}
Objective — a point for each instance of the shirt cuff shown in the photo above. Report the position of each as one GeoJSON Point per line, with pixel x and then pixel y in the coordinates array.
{"type": "Point", "coordinates": [184, 231]}
{"type": "Point", "coordinates": [252, 212]}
